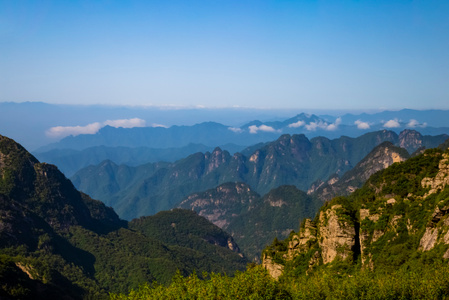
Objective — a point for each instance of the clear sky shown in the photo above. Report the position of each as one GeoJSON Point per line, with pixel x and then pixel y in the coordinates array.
{"type": "Point", "coordinates": [273, 54]}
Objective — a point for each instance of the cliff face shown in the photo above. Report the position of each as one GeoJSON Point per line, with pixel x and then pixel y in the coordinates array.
{"type": "Point", "coordinates": [337, 234]}
{"type": "Point", "coordinates": [223, 203]}
{"type": "Point", "coordinates": [401, 214]}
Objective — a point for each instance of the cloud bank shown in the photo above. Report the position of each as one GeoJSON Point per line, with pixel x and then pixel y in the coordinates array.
{"type": "Point", "coordinates": [63, 131]}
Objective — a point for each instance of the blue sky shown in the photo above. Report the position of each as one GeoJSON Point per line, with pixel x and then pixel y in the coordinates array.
{"type": "Point", "coordinates": [266, 54]}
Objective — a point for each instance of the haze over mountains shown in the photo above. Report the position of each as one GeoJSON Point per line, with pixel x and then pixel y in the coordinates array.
{"type": "Point", "coordinates": [73, 136]}
{"type": "Point", "coordinates": [36, 124]}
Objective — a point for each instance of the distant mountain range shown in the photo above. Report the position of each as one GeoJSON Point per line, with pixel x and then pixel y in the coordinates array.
{"type": "Point", "coordinates": [37, 124]}
{"type": "Point", "coordinates": [214, 134]}
{"type": "Point", "coordinates": [290, 160]}
{"type": "Point", "coordinates": [152, 143]}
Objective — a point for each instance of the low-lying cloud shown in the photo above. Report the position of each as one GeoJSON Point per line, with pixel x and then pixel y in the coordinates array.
{"type": "Point", "coordinates": [158, 125]}
{"type": "Point", "coordinates": [362, 125]}
{"type": "Point", "coordinates": [297, 124]}
{"type": "Point", "coordinates": [392, 124]}
{"type": "Point", "coordinates": [414, 123]}
{"type": "Point", "coordinates": [125, 123]}
{"type": "Point", "coordinates": [63, 131]}
{"type": "Point", "coordinates": [312, 126]}
{"type": "Point", "coordinates": [254, 129]}
{"type": "Point", "coordinates": [235, 129]}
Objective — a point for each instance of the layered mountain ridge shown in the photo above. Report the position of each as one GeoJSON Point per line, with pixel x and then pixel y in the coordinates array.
{"type": "Point", "coordinates": [290, 160]}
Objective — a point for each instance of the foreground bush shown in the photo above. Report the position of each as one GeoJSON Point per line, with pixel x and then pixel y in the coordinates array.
{"type": "Point", "coordinates": [255, 283]}
{"type": "Point", "coordinates": [419, 282]}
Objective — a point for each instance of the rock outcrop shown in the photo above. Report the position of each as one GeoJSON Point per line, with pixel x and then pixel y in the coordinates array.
{"type": "Point", "coordinates": [399, 214]}
{"type": "Point", "coordinates": [440, 180]}
{"type": "Point", "coordinates": [337, 234]}
{"type": "Point", "coordinates": [301, 242]}
{"type": "Point", "coordinates": [274, 269]}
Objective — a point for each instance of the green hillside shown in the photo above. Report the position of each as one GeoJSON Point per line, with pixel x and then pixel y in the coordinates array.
{"type": "Point", "coordinates": [58, 243]}
{"type": "Point", "coordinates": [397, 222]}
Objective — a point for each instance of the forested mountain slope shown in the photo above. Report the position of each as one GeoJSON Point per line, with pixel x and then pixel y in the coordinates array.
{"type": "Point", "coordinates": [251, 219]}
{"type": "Point", "coordinates": [398, 219]}
{"type": "Point", "coordinates": [56, 242]}
{"type": "Point", "coordinates": [255, 221]}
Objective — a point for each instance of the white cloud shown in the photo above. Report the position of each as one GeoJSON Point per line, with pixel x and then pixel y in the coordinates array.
{"type": "Point", "coordinates": [63, 131]}
{"type": "Point", "coordinates": [392, 124]}
{"type": "Point", "coordinates": [362, 125]}
{"type": "Point", "coordinates": [125, 123]}
{"type": "Point", "coordinates": [154, 125]}
{"type": "Point", "coordinates": [312, 126]}
{"type": "Point", "coordinates": [334, 126]}
{"type": "Point", "coordinates": [297, 124]}
{"type": "Point", "coordinates": [254, 129]}
{"type": "Point", "coordinates": [331, 127]}
{"type": "Point", "coordinates": [235, 129]}
{"type": "Point", "coordinates": [415, 123]}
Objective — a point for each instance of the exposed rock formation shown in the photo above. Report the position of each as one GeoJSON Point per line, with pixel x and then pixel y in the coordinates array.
{"type": "Point", "coordinates": [274, 269]}
{"type": "Point", "coordinates": [223, 203]}
{"type": "Point", "coordinates": [337, 235]}
{"type": "Point", "coordinates": [440, 180]}
{"type": "Point", "coordinates": [301, 242]}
